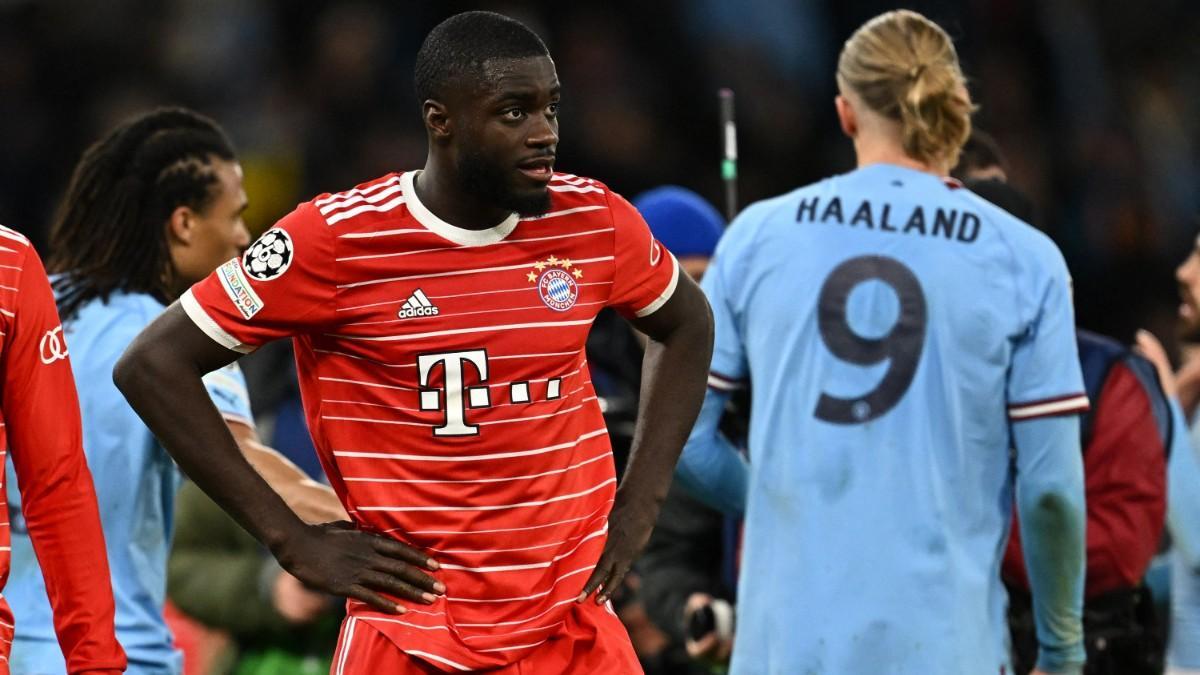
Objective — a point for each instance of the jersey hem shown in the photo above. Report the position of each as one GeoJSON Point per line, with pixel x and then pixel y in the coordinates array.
{"type": "Point", "coordinates": [724, 382]}
{"type": "Point", "coordinates": [1058, 405]}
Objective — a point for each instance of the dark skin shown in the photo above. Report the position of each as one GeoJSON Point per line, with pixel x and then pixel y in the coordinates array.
{"type": "Point", "coordinates": [511, 124]}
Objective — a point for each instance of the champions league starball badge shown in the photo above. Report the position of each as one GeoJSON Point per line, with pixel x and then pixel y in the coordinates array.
{"type": "Point", "coordinates": [270, 256]}
{"type": "Point", "coordinates": [556, 282]}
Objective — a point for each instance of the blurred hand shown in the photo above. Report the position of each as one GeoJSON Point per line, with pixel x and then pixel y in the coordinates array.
{"type": "Point", "coordinates": [1183, 384]}
{"type": "Point", "coordinates": [710, 649]}
{"type": "Point", "coordinates": [294, 602]}
{"type": "Point", "coordinates": [1149, 347]}
{"type": "Point", "coordinates": [342, 561]}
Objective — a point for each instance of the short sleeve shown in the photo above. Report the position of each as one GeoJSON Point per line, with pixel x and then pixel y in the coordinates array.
{"type": "Point", "coordinates": [227, 389]}
{"type": "Point", "coordinates": [1044, 377]}
{"type": "Point", "coordinates": [729, 369]}
{"type": "Point", "coordinates": [284, 285]}
{"type": "Point", "coordinates": [645, 273]}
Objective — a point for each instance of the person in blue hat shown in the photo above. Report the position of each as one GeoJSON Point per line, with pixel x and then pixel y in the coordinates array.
{"type": "Point", "coordinates": [685, 223]}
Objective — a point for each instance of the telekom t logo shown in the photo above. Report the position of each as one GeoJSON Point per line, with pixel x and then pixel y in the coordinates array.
{"type": "Point", "coordinates": [454, 406]}
{"type": "Point", "coordinates": [449, 399]}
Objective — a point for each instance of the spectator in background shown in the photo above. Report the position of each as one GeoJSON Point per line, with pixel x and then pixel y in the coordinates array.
{"type": "Point", "coordinates": [1126, 438]}
{"type": "Point", "coordinates": [220, 576]}
{"type": "Point", "coordinates": [685, 565]}
{"type": "Point", "coordinates": [152, 207]}
{"type": "Point", "coordinates": [1183, 654]}
{"type": "Point", "coordinates": [686, 547]}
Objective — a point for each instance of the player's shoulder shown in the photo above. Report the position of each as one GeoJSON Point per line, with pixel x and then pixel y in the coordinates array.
{"type": "Point", "coordinates": [11, 237]}
{"type": "Point", "coordinates": [569, 191]}
{"type": "Point", "coordinates": [14, 248]}
{"type": "Point", "coordinates": [765, 214]}
{"type": "Point", "coordinates": [366, 202]}
{"type": "Point", "coordinates": [1027, 243]}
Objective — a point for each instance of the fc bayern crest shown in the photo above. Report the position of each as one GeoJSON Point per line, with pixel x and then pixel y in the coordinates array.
{"type": "Point", "coordinates": [270, 256]}
{"type": "Point", "coordinates": [558, 289]}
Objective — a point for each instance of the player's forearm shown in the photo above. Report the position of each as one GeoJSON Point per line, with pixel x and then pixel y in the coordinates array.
{"type": "Point", "coordinates": [1050, 504]}
{"type": "Point", "coordinates": [165, 390]}
{"type": "Point", "coordinates": [312, 501]}
{"type": "Point", "coordinates": [674, 373]}
{"type": "Point", "coordinates": [710, 468]}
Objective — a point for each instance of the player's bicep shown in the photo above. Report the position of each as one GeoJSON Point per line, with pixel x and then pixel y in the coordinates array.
{"type": "Point", "coordinates": [686, 304]}
{"type": "Point", "coordinates": [174, 337]}
{"type": "Point", "coordinates": [1044, 377]}
{"type": "Point", "coordinates": [729, 368]}
{"type": "Point", "coordinates": [646, 275]}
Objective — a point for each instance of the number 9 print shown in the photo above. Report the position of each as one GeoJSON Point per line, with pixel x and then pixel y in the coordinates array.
{"type": "Point", "coordinates": [902, 346]}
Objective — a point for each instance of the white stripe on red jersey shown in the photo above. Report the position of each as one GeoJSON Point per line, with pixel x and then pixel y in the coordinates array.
{"type": "Point", "coordinates": [467, 427]}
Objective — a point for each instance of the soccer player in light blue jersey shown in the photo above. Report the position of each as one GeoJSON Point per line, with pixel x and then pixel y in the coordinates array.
{"type": "Point", "coordinates": [911, 354]}
{"type": "Point", "coordinates": [152, 208]}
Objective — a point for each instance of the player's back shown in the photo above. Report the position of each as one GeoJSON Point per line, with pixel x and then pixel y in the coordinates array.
{"type": "Point", "coordinates": [879, 312]}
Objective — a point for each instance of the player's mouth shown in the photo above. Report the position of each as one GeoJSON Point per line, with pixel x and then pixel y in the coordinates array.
{"type": "Point", "coordinates": [540, 169]}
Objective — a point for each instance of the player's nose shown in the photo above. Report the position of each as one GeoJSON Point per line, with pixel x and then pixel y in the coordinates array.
{"type": "Point", "coordinates": [543, 134]}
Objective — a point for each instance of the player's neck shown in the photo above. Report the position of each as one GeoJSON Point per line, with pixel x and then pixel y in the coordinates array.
{"type": "Point", "coordinates": [443, 195]}
{"type": "Point", "coordinates": [880, 153]}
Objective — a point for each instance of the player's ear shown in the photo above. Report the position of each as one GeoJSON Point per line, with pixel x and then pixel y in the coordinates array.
{"type": "Point", "coordinates": [181, 225]}
{"type": "Point", "coordinates": [846, 116]}
{"type": "Point", "coordinates": [437, 119]}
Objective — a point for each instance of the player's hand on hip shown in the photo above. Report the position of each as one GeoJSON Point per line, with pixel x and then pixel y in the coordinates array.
{"type": "Point", "coordinates": [629, 527]}
{"type": "Point", "coordinates": [338, 559]}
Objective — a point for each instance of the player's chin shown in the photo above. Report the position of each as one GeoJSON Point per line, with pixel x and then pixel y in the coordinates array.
{"type": "Point", "coordinates": [530, 201]}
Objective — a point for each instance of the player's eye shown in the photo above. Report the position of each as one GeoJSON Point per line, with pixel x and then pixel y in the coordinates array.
{"type": "Point", "coordinates": [552, 109]}
{"type": "Point", "coordinates": [513, 114]}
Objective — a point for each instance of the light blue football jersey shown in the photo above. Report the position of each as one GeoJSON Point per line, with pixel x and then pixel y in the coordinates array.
{"type": "Point", "coordinates": [1183, 519]}
{"type": "Point", "coordinates": [891, 325]}
{"type": "Point", "coordinates": [136, 482]}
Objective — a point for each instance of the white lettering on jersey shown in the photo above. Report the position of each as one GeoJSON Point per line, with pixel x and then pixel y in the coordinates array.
{"type": "Point", "coordinates": [450, 398]}
{"type": "Point", "coordinates": [53, 347]}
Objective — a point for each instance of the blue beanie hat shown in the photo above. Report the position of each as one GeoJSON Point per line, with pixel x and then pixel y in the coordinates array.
{"type": "Point", "coordinates": [681, 219]}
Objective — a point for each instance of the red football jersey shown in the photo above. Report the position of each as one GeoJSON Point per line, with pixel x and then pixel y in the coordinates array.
{"type": "Point", "coordinates": [39, 421]}
{"type": "Point", "coordinates": [447, 390]}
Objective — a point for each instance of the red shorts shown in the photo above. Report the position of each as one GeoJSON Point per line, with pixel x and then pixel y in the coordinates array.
{"type": "Point", "coordinates": [591, 642]}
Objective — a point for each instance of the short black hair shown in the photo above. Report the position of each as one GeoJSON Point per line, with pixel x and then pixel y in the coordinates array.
{"type": "Point", "coordinates": [109, 233]}
{"type": "Point", "coordinates": [456, 50]}
{"type": "Point", "coordinates": [980, 152]}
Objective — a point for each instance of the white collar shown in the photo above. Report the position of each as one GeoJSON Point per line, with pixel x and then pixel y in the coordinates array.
{"type": "Point", "coordinates": [445, 230]}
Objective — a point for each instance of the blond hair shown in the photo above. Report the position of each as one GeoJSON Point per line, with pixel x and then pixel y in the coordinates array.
{"type": "Point", "coordinates": [904, 67]}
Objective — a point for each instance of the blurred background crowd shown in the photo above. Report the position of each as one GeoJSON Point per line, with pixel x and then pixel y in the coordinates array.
{"type": "Point", "coordinates": [1095, 104]}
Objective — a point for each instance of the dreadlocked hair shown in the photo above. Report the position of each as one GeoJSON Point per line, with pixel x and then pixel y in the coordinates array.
{"type": "Point", "coordinates": [110, 231]}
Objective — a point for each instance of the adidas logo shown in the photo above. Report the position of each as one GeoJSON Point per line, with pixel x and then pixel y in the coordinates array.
{"type": "Point", "coordinates": [418, 305]}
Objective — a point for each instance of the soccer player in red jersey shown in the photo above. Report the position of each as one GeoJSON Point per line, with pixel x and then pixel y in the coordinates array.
{"type": "Point", "coordinates": [39, 422]}
{"type": "Point", "coordinates": [439, 318]}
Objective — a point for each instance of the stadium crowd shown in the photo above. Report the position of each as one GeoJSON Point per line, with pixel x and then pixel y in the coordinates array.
{"type": "Point", "coordinates": [1094, 116]}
